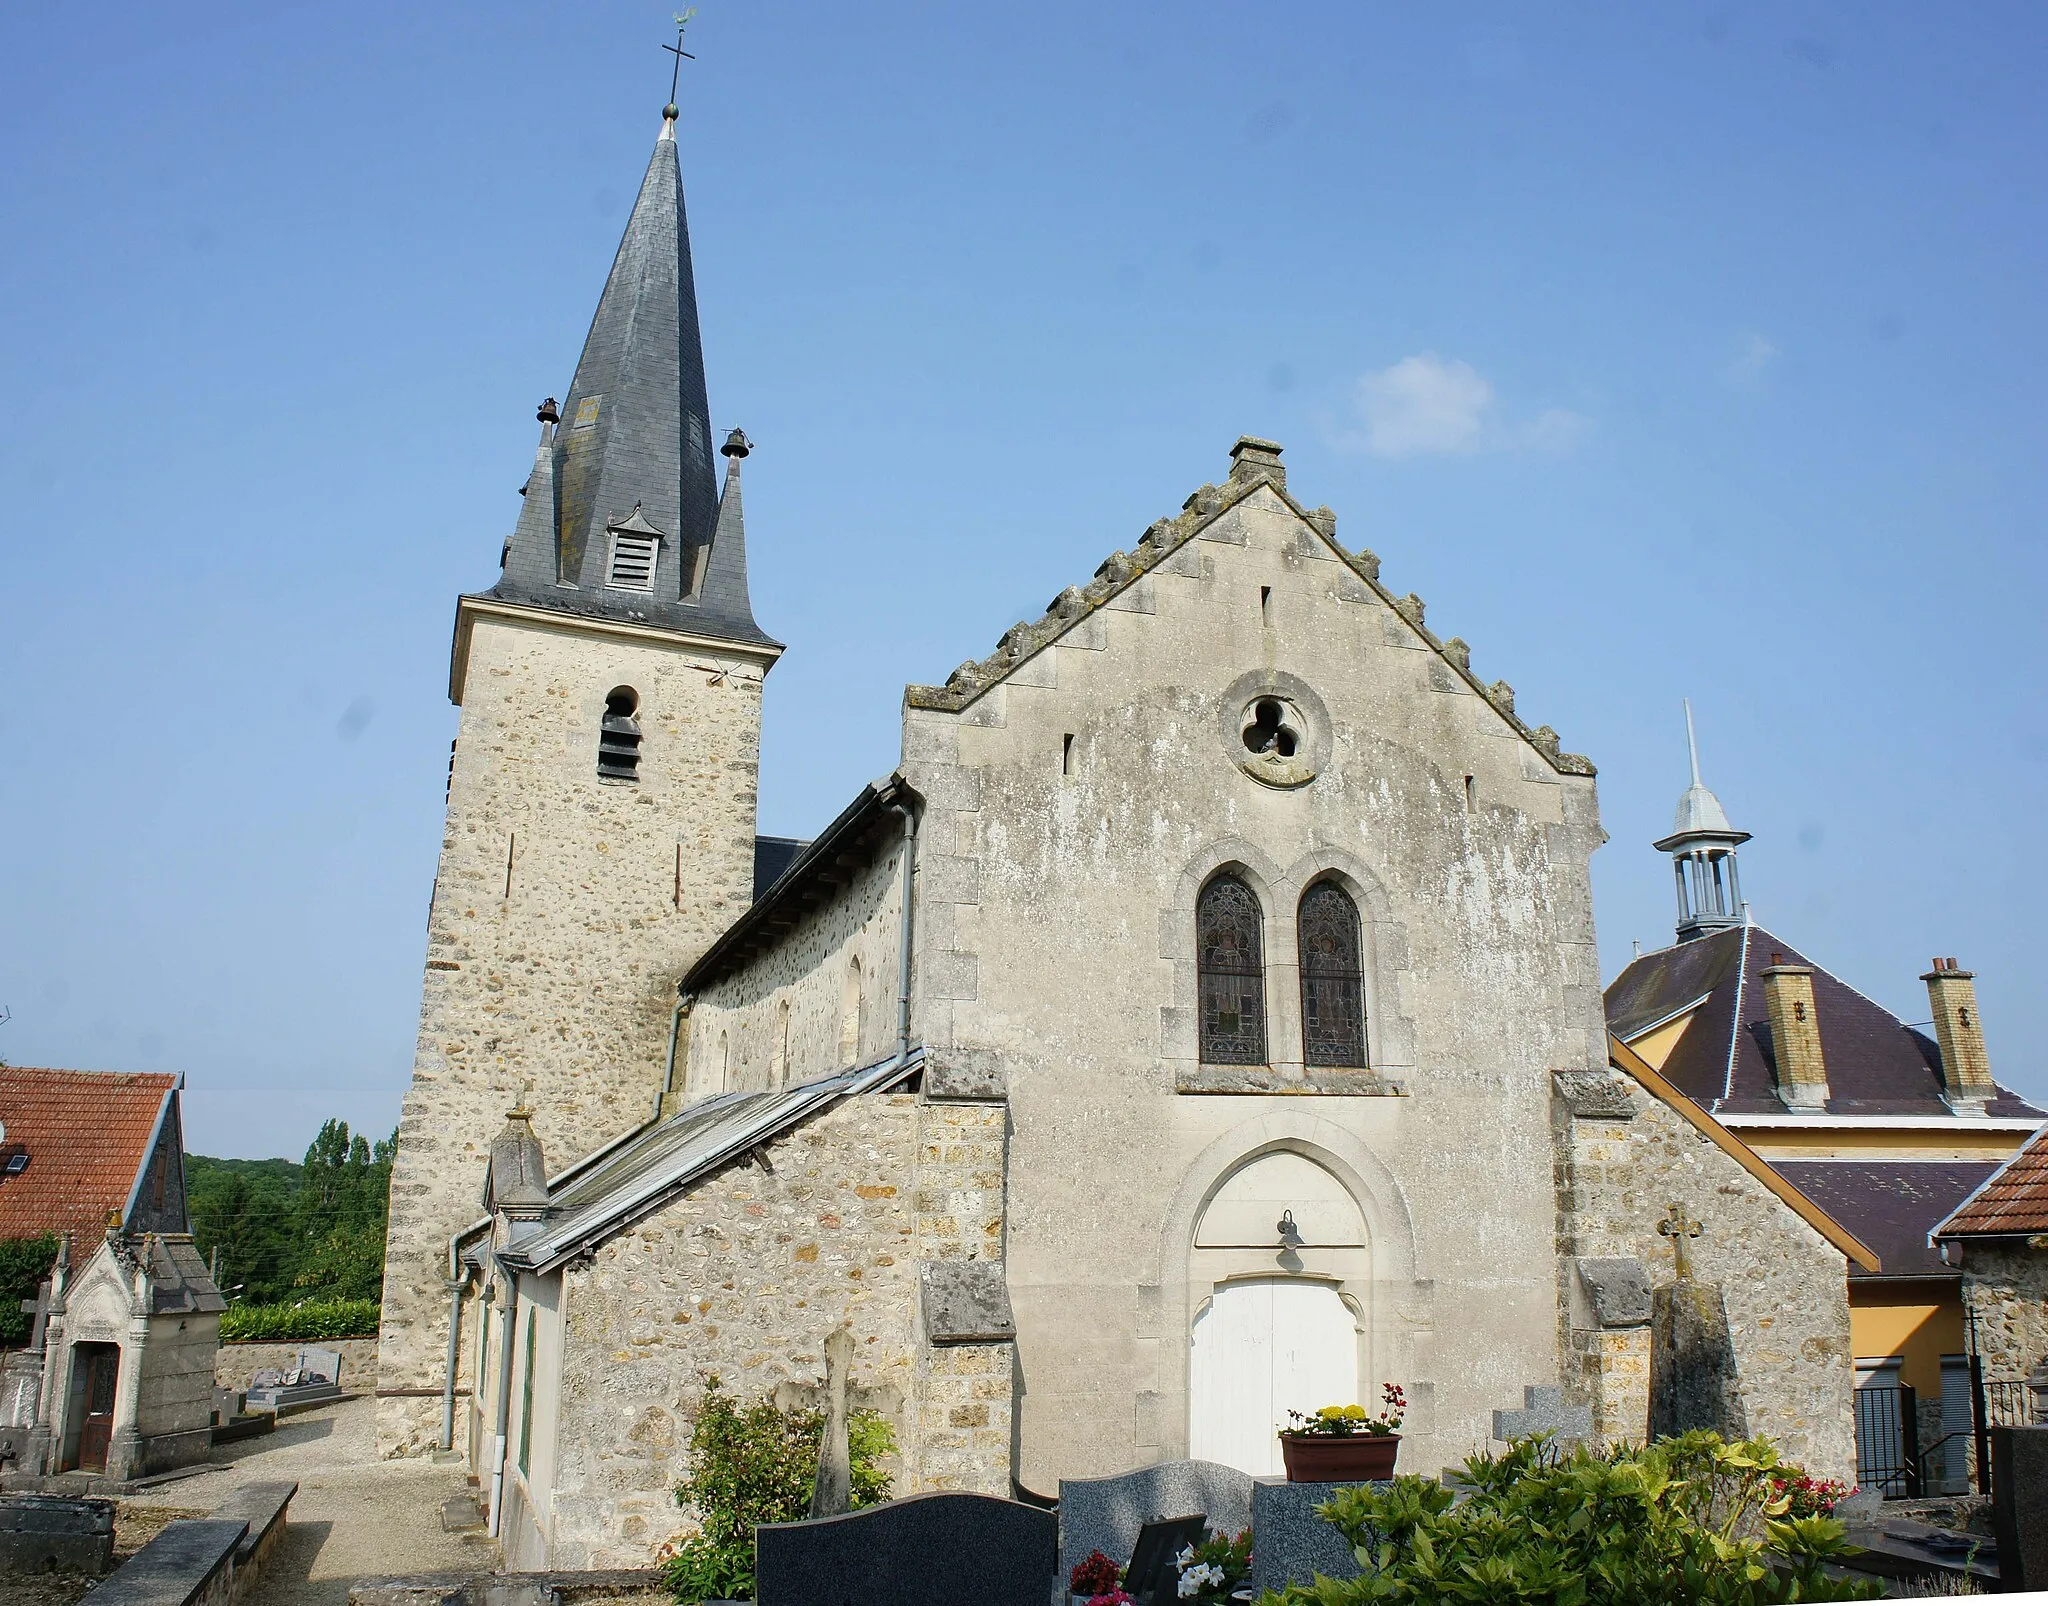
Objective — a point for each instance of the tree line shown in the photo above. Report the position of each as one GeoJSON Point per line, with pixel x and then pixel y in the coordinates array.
{"type": "Point", "coordinates": [284, 1233]}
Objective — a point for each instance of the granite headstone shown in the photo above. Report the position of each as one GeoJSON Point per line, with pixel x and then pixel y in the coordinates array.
{"type": "Point", "coordinates": [2019, 1506]}
{"type": "Point", "coordinates": [925, 1550]}
{"type": "Point", "coordinates": [1290, 1543]}
{"type": "Point", "coordinates": [1105, 1514]}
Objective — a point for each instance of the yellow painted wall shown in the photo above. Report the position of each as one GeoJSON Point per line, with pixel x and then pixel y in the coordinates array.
{"type": "Point", "coordinates": [1919, 1321]}
{"type": "Point", "coordinates": [1656, 1046]}
{"type": "Point", "coordinates": [1942, 1143]}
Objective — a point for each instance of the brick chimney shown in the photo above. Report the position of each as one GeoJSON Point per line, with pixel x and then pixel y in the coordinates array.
{"type": "Point", "coordinates": [1965, 1068]}
{"type": "Point", "coordinates": [1795, 1037]}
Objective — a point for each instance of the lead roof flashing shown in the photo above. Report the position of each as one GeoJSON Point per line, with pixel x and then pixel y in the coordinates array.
{"type": "Point", "coordinates": [1250, 471]}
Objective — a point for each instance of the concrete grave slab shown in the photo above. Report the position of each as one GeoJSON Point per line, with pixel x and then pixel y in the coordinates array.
{"type": "Point", "coordinates": [44, 1533]}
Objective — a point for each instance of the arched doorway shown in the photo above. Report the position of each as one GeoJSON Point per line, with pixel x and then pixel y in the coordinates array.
{"type": "Point", "coordinates": [1281, 1265]}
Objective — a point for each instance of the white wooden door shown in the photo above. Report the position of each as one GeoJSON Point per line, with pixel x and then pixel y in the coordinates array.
{"type": "Point", "coordinates": [1265, 1346]}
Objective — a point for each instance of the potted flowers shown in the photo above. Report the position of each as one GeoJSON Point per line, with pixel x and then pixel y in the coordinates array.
{"type": "Point", "coordinates": [1098, 1581]}
{"type": "Point", "coordinates": [1341, 1444]}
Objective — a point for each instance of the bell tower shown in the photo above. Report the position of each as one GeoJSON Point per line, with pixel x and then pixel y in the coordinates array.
{"type": "Point", "coordinates": [601, 791]}
{"type": "Point", "coordinates": [1702, 846]}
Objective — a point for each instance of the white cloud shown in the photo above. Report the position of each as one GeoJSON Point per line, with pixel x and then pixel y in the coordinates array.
{"type": "Point", "coordinates": [1753, 358]}
{"type": "Point", "coordinates": [1424, 403]}
{"type": "Point", "coordinates": [1432, 405]}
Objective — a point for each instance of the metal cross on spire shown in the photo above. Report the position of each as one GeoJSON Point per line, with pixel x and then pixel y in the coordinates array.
{"type": "Point", "coordinates": [675, 77]}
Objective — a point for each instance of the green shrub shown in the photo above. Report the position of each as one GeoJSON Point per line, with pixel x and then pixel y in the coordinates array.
{"type": "Point", "coordinates": [753, 1464]}
{"type": "Point", "coordinates": [304, 1323]}
{"type": "Point", "coordinates": [24, 1263]}
{"type": "Point", "coordinates": [1690, 1521]}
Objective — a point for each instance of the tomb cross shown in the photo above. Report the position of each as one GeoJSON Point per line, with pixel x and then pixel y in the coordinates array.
{"type": "Point", "coordinates": [675, 78]}
{"type": "Point", "coordinates": [39, 1310]}
{"type": "Point", "coordinates": [1679, 1230]}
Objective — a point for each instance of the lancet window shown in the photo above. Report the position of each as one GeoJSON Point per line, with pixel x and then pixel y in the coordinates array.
{"type": "Point", "coordinates": [1332, 978]}
{"type": "Point", "coordinates": [1230, 960]}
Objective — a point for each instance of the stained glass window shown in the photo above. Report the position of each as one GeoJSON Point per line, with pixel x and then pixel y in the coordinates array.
{"type": "Point", "coordinates": [1233, 984]}
{"type": "Point", "coordinates": [1332, 979]}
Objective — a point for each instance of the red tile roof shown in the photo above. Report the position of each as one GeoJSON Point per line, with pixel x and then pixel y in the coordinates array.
{"type": "Point", "coordinates": [2012, 1201]}
{"type": "Point", "coordinates": [87, 1135]}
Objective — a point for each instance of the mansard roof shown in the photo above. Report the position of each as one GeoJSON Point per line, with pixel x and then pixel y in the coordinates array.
{"type": "Point", "coordinates": [1254, 464]}
{"type": "Point", "coordinates": [1876, 1064]}
{"type": "Point", "coordinates": [631, 449]}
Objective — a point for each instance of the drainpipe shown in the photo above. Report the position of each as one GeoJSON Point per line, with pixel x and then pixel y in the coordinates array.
{"type": "Point", "coordinates": [909, 814]}
{"type": "Point", "coordinates": [455, 1286]}
{"type": "Point", "coordinates": [675, 1030]}
{"type": "Point", "coordinates": [498, 1444]}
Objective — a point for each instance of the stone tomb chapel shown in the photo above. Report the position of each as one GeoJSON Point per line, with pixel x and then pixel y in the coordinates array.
{"type": "Point", "coordinates": [1200, 1020]}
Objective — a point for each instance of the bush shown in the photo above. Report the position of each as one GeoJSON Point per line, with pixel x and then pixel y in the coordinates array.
{"type": "Point", "coordinates": [754, 1464]}
{"type": "Point", "coordinates": [1685, 1521]}
{"type": "Point", "coordinates": [24, 1263]}
{"type": "Point", "coordinates": [304, 1323]}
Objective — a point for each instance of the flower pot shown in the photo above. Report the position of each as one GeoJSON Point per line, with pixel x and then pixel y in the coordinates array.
{"type": "Point", "coordinates": [1327, 1458]}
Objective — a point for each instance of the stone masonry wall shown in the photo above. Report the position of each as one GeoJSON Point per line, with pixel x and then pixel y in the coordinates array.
{"type": "Point", "coordinates": [744, 1277]}
{"type": "Point", "coordinates": [564, 910]}
{"type": "Point", "coordinates": [1075, 808]}
{"type": "Point", "coordinates": [2005, 1286]}
{"type": "Point", "coordinates": [1786, 1287]}
{"type": "Point", "coordinates": [779, 1020]}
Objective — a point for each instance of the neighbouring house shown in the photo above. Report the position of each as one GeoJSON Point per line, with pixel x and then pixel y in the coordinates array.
{"type": "Point", "coordinates": [1885, 1127]}
{"type": "Point", "coordinates": [1997, 1241]}
{"type": "Point", "coordinates": [119, 1374]}
{"type": "Point", "coordinates": [1201, 1019]}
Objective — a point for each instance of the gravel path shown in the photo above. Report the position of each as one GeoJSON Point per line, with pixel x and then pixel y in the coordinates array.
{"type": "Point", "coordinates": [354, 1515]}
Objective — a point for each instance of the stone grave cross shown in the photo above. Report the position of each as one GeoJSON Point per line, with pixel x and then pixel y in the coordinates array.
{"type": "Point", "coordinates": [832, 1490]}
{"type": "Point", "coordinates": [1544, 1411]}
{"type": "Point", "coordinates": [39, 1310]}
{"type": "Point", "coordinates": [1680, 1231]}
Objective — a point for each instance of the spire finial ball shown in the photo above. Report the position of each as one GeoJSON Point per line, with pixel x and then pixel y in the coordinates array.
{"type": "Point", "coordinates": [670, 113]}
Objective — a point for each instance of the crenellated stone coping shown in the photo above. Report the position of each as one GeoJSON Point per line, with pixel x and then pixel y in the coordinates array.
{"type": "Point", "coordinates": [1027, 638]}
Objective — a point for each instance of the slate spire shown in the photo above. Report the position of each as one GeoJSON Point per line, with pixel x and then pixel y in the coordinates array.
{"type": "Point", "coordinates": [635, 437]}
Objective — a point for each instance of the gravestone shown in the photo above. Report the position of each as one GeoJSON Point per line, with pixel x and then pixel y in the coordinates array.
{"type": "Point", "coordinates": [319, 1365]}
{"type": "Point", "coordinates": [43, 1533]}
{"type": "Point", "coordinates": [1105, 1514]}
{"type": "Point", "coordinates": [925, 1550]}
{"type": "Point", "coordinates": [2019, 1506]}
{"type": "Point", "coordinates": [832, 1488]}
{"type": "Point", "coordinates": [1693, 1379]}
{"type": "Point", "coordinates": [1290, 1543]}
{"type": "Point", "coordinates": [1544, 1411]}
{"type": "Point", "coordinates": [1153, 1578]}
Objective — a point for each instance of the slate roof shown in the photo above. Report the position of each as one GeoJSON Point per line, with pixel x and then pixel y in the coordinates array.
{"type": "Point", "coordinates": [2010, 1202]}
{"type": "Point", "coordinates": [772, 856]}
{"type": "Point", "coordinates": [640, 1176]}
{"type": "Point", "coordinates": [178, 1280]}
{"type": "Point", "coordinates": [88, 1136]}
{"type": "Point", "coordinates": [1892, 1205]}
{"type": "Point", "coordinates": [635, 433]}
{"type": "Point", "coordinates": [1877, 1065]}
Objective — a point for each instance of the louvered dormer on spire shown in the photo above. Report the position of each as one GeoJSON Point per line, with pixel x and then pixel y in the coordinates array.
{"type": "Point", "coordinates": [622, 517]}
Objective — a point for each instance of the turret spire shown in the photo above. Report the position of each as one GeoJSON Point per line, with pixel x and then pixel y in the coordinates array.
{"type": "Point", "coordinates": [635, 433]}
{"type": "Point", "coordinates": [1702, 846]}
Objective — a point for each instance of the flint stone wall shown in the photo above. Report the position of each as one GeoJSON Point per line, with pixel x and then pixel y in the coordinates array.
{"type": "Point", "coordinates": [1786, 1287]}
{"type": "Point", "coordinates": [743, 1279]}
{"type": "Point", "coordinates": [564, 987]}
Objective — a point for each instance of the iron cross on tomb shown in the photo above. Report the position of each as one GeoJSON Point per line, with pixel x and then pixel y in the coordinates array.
{"type": "Point", "coordinates": [1680, 1231]}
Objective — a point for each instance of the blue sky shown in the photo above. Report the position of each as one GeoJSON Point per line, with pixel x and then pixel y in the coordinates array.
{"type": "Point", "coordinates": [1665, 351]}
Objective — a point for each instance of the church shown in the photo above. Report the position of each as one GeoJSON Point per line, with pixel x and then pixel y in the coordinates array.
{"type": "Point", "coordinates": [1198, 1018]}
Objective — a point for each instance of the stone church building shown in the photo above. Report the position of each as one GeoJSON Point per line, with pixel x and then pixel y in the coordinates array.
{"type": "Point", "coordinates": [1199, 1019]}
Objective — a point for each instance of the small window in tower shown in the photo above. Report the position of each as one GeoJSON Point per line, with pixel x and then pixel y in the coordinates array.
{"type": "Point", "coordinates": [632, 561]}
{"type": "Point", "coordinates": [618, 746]}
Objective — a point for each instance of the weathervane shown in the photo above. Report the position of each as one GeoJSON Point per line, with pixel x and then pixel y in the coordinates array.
{"type": "Point", "coordinates": [675, 78]}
